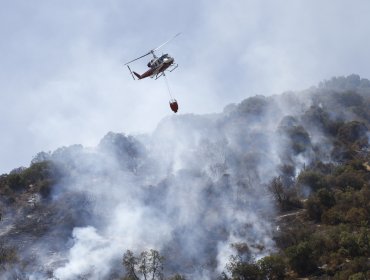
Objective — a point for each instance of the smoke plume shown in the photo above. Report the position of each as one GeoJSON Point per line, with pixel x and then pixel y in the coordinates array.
{"type": "Point", "coordinates": [191, 189]}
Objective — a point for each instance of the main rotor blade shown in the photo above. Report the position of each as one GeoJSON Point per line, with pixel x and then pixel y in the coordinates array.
{"type": "Point", "coordinates": [138, 58]}
{"type": "Point", "coordinates": [157, 48]}
{"type": "Point", "coordinates": [152, 51]}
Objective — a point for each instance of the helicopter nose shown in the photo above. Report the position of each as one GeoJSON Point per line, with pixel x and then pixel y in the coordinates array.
{"type": "Point", "coordinates": [168, 60]}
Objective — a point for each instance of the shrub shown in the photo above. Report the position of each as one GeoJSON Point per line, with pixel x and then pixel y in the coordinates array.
{"type": "Point", "coordinates": [357, 276]}
{"type": "Point", "coordinates": [351, 132]}
{"type": "Point", "coordinates": [301, 258]}
{"type": "Point", "coordinates": [332, 216]}
{"type": "Point", "coordinates": [357, 216]}
{"type": "Point", "coordinates": [348, 244]}
{"type": "Point", "coordinates": [243, 270]}
{"type": "Point", "coordinates": [314, 208]}
{"type": "Point", "coordinates": [272, 267]}
{"type": "Point", "coordinates": [16, 182]}
{"type": "Point", "coordinates": [350, 179]}
{"type": "Point", "coordinates": [312, 179]}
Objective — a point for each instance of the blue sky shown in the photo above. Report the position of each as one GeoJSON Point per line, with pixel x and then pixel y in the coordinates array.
{"type": "Point", "coordinates": [62, 79]}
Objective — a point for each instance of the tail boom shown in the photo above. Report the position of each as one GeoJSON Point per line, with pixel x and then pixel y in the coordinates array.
{"type": "Point", "coordinates": [137, 75]}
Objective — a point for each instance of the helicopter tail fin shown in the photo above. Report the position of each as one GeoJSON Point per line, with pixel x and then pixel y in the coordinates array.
{"type": "Point", "coordinates": [137, 75]}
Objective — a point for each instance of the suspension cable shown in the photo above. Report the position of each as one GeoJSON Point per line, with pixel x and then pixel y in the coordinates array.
{"type": "Point", "coordinates": [168, 86]}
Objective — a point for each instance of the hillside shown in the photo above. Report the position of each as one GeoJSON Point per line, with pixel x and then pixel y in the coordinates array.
{"type": "Point", "coordinates": [274, 187]}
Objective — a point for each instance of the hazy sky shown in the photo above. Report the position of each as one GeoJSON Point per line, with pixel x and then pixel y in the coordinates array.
{"type": "Point", "coordinates": [62, 79]}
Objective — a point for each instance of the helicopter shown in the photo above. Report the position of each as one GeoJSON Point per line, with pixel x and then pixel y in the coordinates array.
{"type": "Point", "coordinates": [157, 65]}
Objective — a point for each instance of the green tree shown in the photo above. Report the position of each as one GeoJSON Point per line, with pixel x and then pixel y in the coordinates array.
{"type": "Point", "coordinates": [352, 131]}
{"type": "Point", "coordinates": [286, 198]}
{"type": "Point", "coordinates": [357, 216]}
{"type": "Point", "coordinates": [357, 276]}
{"type": "Point", "coordinates": [272, 267]}
{"type": "Point", "coordinates": [312, 179]}
{"type": "Point", "coordinates": [241, 270]}
{"type": "Point", "coordinates": [301, 258]}
{"type": "Point", "coordinates": [326, 198]}
{"type": "Point", "coordinates": [149, 265]}
{"type": "Point", "coordinates": [332, 216]}
{"type": "Point", "coordinates": [350, 179]}
{"type": "Point", "coordinates": [130, 263]}
{"type": "Point", "coordinates": [348, 243]}
{"type": "Point", "coordinates": [314, 208]}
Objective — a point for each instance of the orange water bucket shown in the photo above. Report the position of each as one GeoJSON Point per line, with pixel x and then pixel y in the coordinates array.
{"type": "Point", "coordinates": [174, 106]}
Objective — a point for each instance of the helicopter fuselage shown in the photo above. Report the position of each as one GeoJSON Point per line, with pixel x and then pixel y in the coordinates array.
{"type": "Point", "coordinates": [158, 65]}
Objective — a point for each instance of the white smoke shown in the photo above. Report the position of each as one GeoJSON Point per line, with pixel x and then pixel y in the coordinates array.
{"type": "Point", "coordinates": [196, 185]}
{"type": "Point", "coordinates": [190, 190]}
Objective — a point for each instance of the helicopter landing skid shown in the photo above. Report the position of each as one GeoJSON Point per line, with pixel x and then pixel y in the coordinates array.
{"type": "Point", "coordinates": [163, 74]}
{"type": "Point", "coordinates": [159, 75]}
{"type": "Point", "coordinates": [174, 67]}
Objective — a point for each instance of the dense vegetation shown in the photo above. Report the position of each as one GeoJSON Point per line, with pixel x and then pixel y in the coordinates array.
{"type": "Point", "coordinates": [330, 237]}
{"type": "Point", "coordinates": [323, 204]}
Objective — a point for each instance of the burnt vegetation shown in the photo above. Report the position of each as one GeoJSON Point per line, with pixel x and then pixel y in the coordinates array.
{"type": "Point", "coordinates": [321, 192]}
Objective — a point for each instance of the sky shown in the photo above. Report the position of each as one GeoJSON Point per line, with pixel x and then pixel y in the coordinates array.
{"type": "Point", "coordinates": [62, 79]}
